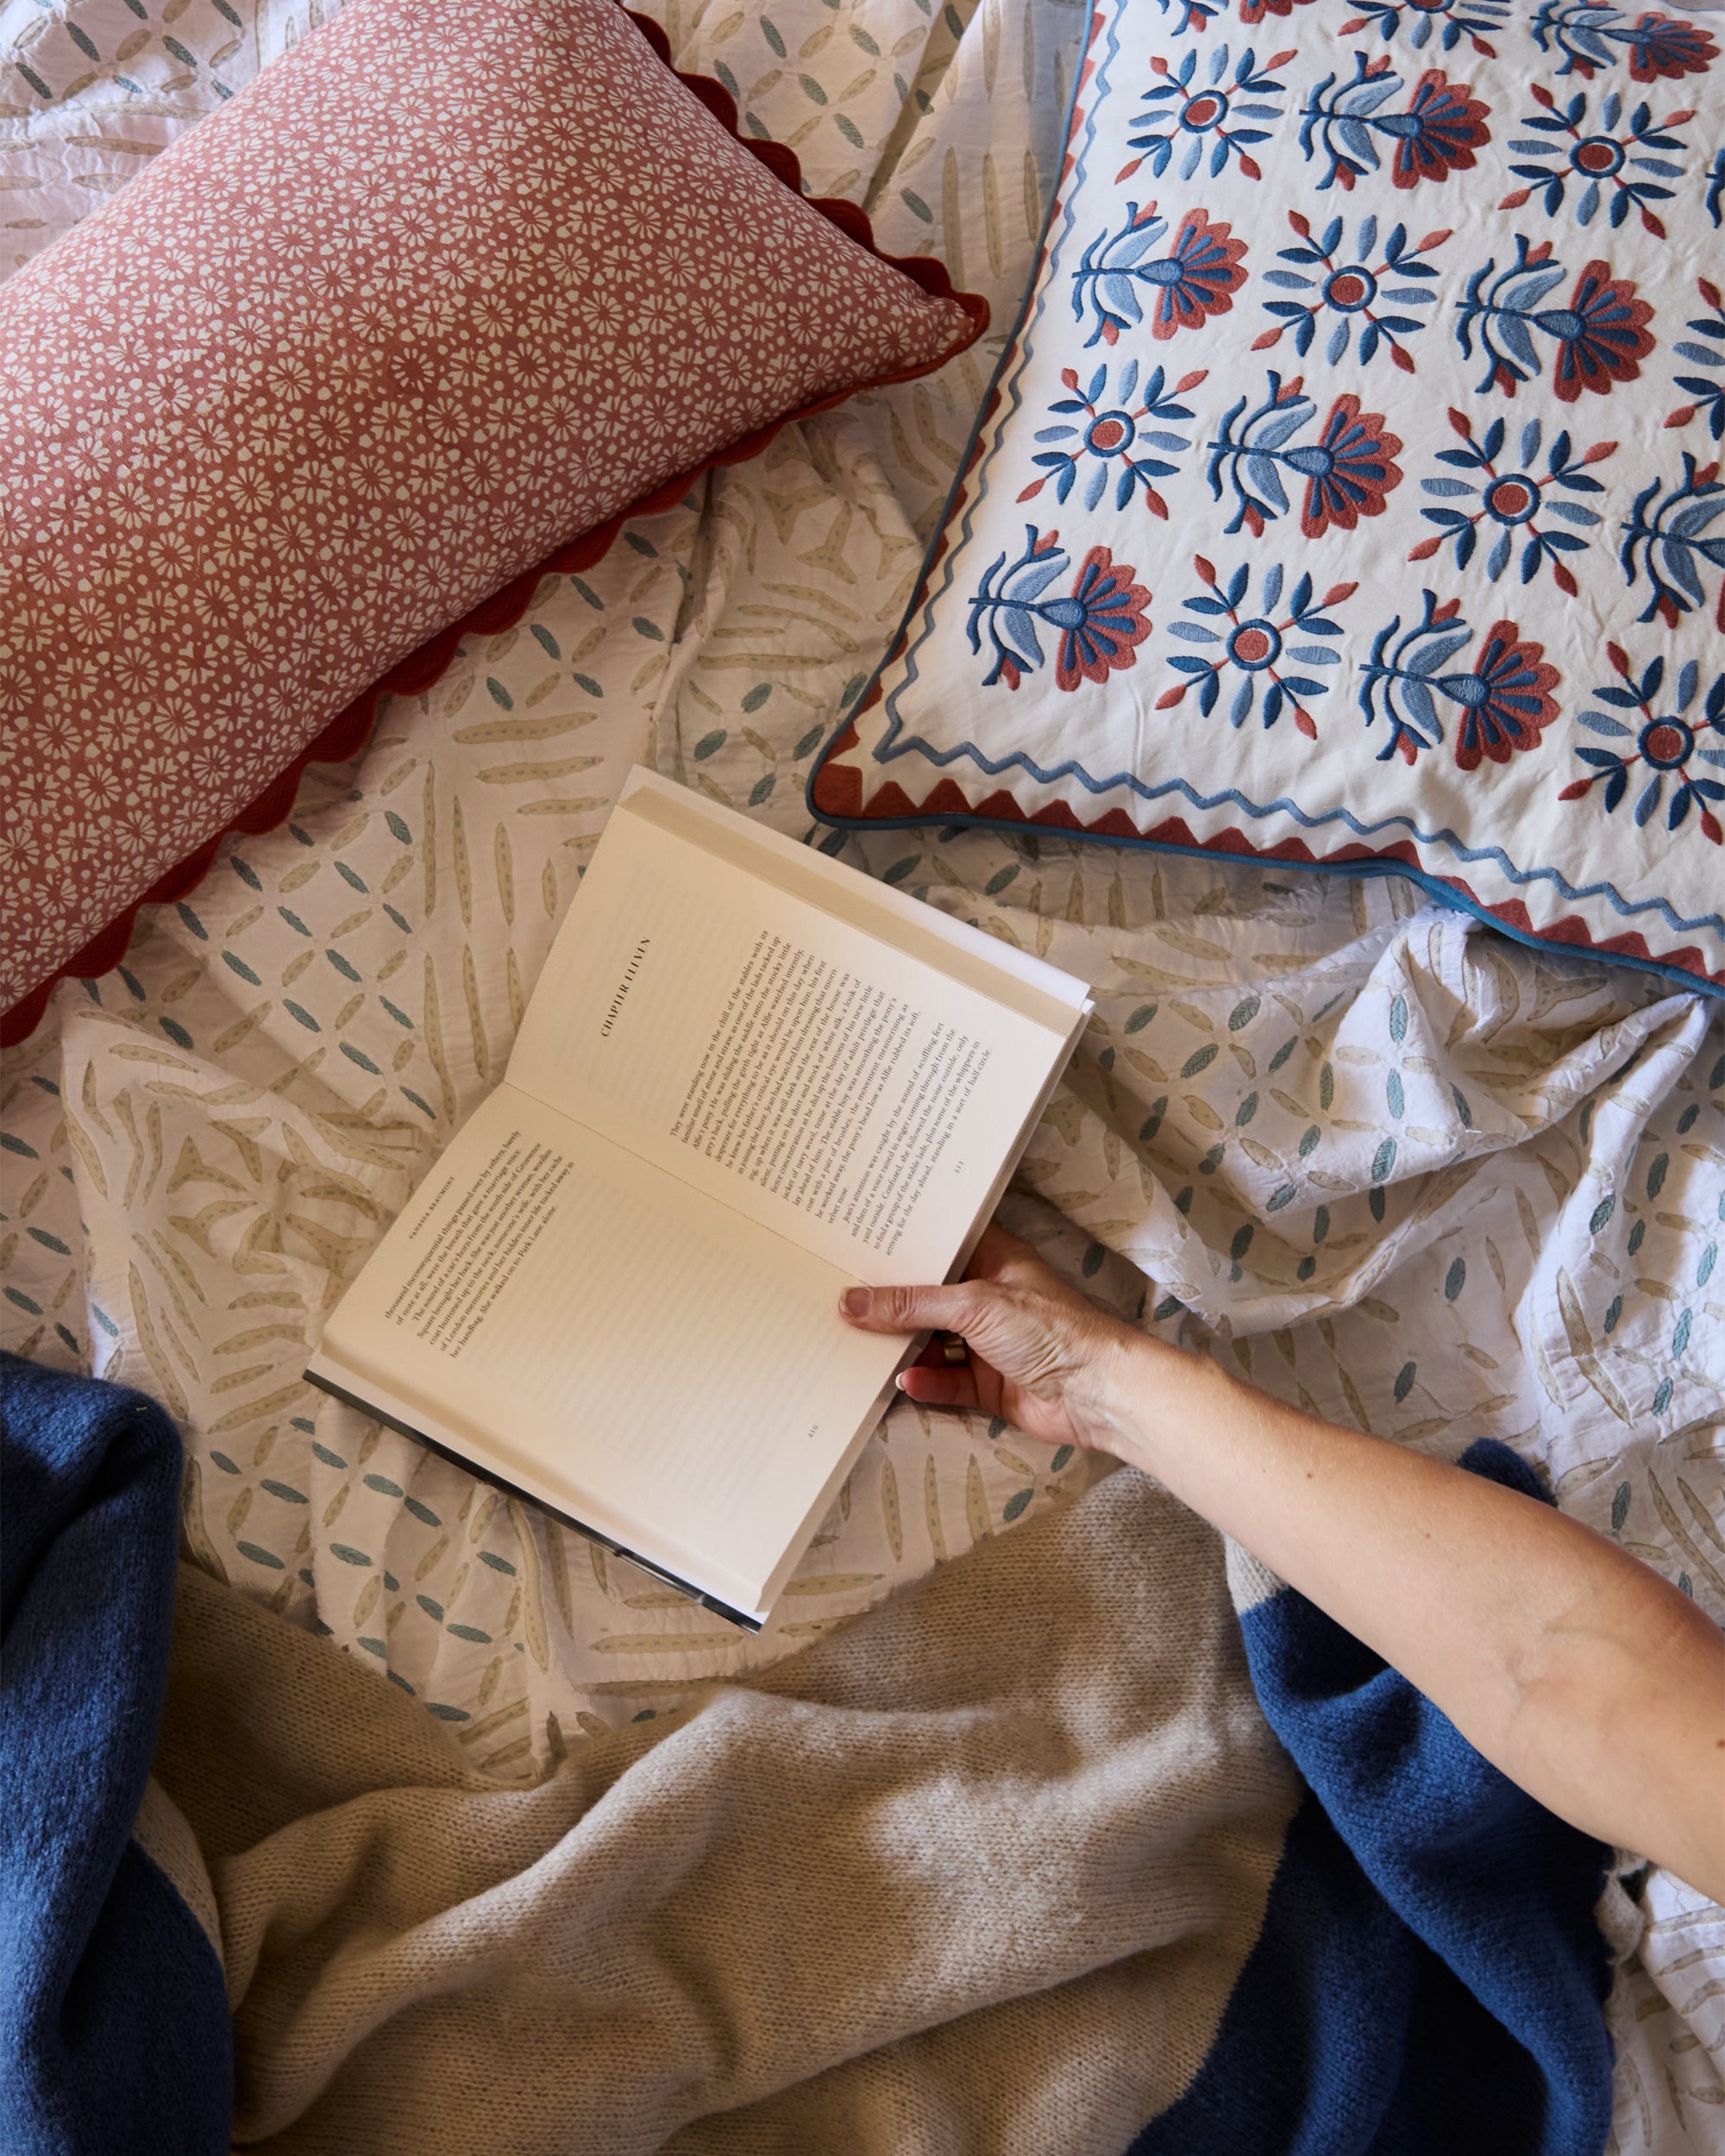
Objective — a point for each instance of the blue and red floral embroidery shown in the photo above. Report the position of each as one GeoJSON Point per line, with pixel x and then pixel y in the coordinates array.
{"type": "Point", "coordinates": [1710, 396]}
{"type": "Point", "coordinates": [1574, 147]}
{"type": "Point", "coordinates": [1112, 436]}
{"type": "Point", "coordinates": [1193, 14]}
{"type": "Point", "coordinates": [1198, 15]}
{"type": "Point", "coordinates": [1217, 116]}
{"type": "Point", "coordinates": [1512, 501]}
{"type": "Point", "coordinates": [1345, 471]}
{"type": "Point", "coordinates": [1669, 744]}
{"type": "Point", "coordinates": [1448, 21]}
{"type": "Point", "coordinates": [1609, 163]}
{"type": "Point", "coordinates": [1435, 134]}
{"type": "Point", "coordinates": [1502, 701]}
{"type": "Point", "coordinates": [1255, 641]}
{"type": "Point", "coordinates": [1356, 289]}
{"type": "Point", "coordinates": [1601, 337]}
{"type": "Point", "coordinates": [1096, 627]}
{"type": "Point", "coordinates": [1657, 47]}
{"type": "Point", "coordinates": [1256, 648]}
{"type": "Point", "coordinates": [1117, 275]}
{"type": "Point", "coordinates": [1668, 537]}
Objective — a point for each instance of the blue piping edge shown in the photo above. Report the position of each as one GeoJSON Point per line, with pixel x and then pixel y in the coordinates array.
{"type": "Point", "coordinates": [1434, 886]}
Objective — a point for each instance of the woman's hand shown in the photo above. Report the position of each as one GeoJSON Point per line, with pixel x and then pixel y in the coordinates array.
{"type": "Point", "coordinates": [1042, 1357]}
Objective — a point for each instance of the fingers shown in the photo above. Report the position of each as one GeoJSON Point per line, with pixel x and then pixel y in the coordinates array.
{"type": "Point", "coordinates": [941, 1386]}
{"type": "Point", "coordinates": [997, 1256]}
{"type": "Point", "coordinates": [998, 1253]}
{"type": "Point", "coordinates": [909, 1309]}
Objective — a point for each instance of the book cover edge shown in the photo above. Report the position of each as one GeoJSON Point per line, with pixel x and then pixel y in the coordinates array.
{"type": "Point", "coordinates": [496, 1481]}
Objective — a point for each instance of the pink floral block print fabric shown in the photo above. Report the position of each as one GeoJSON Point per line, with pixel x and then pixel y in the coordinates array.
{"type": "Point", "coordinates": [441, 291]}
{"type": "Point", "coordinates": [1351, 494]}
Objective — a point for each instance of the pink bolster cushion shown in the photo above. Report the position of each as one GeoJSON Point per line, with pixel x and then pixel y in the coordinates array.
{"type": "Point", "coordinates": [433, 304]}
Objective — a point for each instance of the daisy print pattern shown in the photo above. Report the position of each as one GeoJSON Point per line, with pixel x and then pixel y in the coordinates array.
{"type": "Point", "coordinates": [1610, 164]}
{"type": "Point", "coordinates": [1196, 119]}
{"type": "Point", "coordinates": [1673, 749]}
{"type": "Point", "coordinates": [1355, 291]}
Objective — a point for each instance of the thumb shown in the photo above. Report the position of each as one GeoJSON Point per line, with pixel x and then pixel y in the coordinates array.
{"type": "Point", "coordinates": [909, 1309]}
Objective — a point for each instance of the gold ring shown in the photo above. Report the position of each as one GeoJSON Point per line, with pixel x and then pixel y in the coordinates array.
{"type": "Point", "coordinates": [953, 1349]}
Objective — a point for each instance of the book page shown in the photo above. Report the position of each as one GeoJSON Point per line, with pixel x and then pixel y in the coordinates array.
{"type": "Point", "coordinates": [640, 1356]}
{"type": "Point", "coordinates": [765, 1051]}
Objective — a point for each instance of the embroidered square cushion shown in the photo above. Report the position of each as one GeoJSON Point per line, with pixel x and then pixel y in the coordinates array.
{"type": "Point", "coordinates": [1350, 492]}
{"type": "Point", "coordinates": [443, 291]}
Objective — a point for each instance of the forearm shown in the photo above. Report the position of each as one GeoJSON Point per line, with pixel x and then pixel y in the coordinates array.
{"type": "Point", "coordinates": [1582, 1675]}
{"type": "Point", "coordinates": [1585, 1678]}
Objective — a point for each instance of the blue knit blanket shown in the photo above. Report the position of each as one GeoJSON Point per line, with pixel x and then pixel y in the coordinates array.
{"type": "Point", "coordinates": [114, 2029]}
{"type": "Point", "coordinates": [1429, 1946]}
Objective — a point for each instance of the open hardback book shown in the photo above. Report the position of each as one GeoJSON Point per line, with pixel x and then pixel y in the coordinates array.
{"type": "Point", "coordinates": [749, 1078]}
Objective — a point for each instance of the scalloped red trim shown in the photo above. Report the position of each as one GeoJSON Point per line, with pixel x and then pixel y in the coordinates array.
{"type": "Point", "coordinates": [347, 733]}
{"type": "Point", "coordinates": [838, 794]}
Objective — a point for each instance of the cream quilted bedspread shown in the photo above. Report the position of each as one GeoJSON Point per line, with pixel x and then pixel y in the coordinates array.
{"type": "Point", "coordinates": [1389, 1165]}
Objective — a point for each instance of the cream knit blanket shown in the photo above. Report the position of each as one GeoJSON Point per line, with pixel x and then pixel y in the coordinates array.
{"type": "Point", "coordinates": [975, 1874]}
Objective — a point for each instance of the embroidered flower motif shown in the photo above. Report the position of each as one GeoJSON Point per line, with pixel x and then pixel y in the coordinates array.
{"type": "Point", "coordinates": [1607, 162]}
{"type": "Point", "coordinates": [1667, 744]}
{"type": "Point", "coordinates": [1504, 697]}
{"type": "Point", "coordinates": [1347, 471]}
{"type": "Point", "coordinates": [1098, 626]}
{"type": "Point", "coordinates": [1193, 14]}
{"type": "Point", "coordinates": [1709, 397]}
{"type": "Point", "coordinates": [1448, 21]}
{"type": "Point", "coordinates": [1602, 336]}
{"type": "Point", "coordinates": [1350, 287]}
{"type": "Point", "coordinates": [1588, 36]}
{"type": "Point", "coordinates": [1101, 624]}
{"type": "Point", "coordinates": [1218, 117]}
{"type": "Point", "coordinates": [1256, 646]}
{"type": "Point", "coordinates": [1665, 535]}
{"type": "Point", "coordinates": [1513, 500]}
{"type": "Point", "coordinates": [1197, 279]}
{"type": "Point", "coordinates": [1112, 437]}
{"type": "Point", "coordinates": [1443, 125]}
{"type": "Point", "coordinates": [1198, 15]}
{"type": "Point", "coordinates": [1716, 191]}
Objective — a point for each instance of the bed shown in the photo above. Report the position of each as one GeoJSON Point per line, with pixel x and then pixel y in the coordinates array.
{"type": "Point", "coordinates": [201, 1147]}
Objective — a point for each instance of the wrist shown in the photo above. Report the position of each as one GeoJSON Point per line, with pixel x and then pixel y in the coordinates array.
{"type": "Point", "coordinates": [1108, 1406]}
{"type": "Point", "coordinates": [1141, 1392]}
